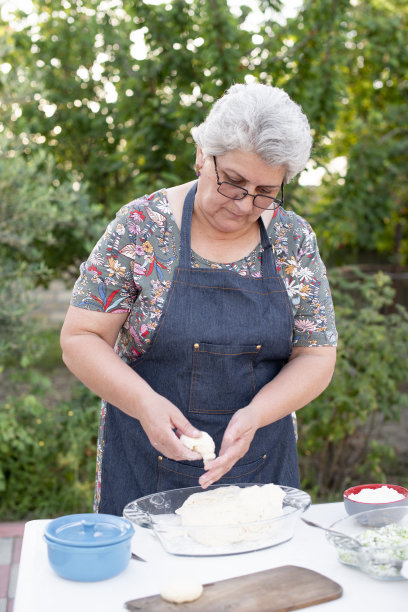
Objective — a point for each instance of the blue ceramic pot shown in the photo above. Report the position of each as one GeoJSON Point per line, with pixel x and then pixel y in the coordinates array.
{"type": "Point", "coordinates": [89, 547]}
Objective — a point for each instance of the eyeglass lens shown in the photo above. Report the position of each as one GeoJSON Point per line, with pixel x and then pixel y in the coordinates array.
{"type": "Point", "coordinates": [238, 193]}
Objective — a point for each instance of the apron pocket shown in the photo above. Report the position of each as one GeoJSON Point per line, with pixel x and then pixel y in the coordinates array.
{"type": "Point", "coordinates": [245, 472]}
{"type": "Point", "coordinates": [222, 378]}
{"type": "Point", "coordinates": [178, 475]}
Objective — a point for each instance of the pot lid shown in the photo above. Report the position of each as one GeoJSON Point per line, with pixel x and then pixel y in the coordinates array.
{"type": "Point", "coordinates": [89, 530]}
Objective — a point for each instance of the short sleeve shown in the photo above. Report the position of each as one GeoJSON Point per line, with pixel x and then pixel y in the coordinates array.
{"type": "Point", "coordinates": [305, 277]}
{"type": "Point", "coordinates": [106, 281]}
{"type": "Point", "coordinates": [314, 317]}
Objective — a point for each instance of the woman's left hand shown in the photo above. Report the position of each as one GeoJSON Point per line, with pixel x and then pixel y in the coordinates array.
{"type": "Point", "coordinates": [235, 443]}
{"type": "Point", "coordinates": [304, 377]}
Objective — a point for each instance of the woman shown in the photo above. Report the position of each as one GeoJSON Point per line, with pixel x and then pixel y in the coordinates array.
{"type": "Point", "coordinates": [190, 315]}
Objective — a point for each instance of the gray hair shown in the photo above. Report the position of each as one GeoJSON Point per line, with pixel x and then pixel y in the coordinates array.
{"type": "Point", "coordinates": [260, 119]}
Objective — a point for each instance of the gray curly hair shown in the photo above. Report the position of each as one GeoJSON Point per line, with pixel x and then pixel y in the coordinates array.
{"type": "Point", "coordinates": [261, 119]}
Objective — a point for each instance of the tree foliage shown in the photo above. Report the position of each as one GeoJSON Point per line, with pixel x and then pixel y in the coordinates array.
{"type": "Point", "coordinates": [42, 223]}
{"type": "Point", "coordinates": [120, 121]}
{"type": "Point", "coordinates": [339, 430]}
{"type": "Point", "coordinates": [47, 456]}
{"type": "Point", "coordinates": [347, 63]}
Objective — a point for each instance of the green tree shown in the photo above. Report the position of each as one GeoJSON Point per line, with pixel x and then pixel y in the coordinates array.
{"type": "Point", "coordinates": [368, 213]}
{"type": "Point", "coordinates": [40, 219]}
{"type": "Point", "coordinates": [119, 123]}
{"type": "Point", "coordinates": [347, 64]}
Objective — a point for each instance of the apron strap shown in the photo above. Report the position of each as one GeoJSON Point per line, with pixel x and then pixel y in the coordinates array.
{"type": "Point", "coordinates": [267, 258]}
{"type": "Point", "coordinates": [185, 232]}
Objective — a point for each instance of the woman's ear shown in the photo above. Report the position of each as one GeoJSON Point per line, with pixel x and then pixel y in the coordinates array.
{"type": "Point", "coordinates": [199, 160]}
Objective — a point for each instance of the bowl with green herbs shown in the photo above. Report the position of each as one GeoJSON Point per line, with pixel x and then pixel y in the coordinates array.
{"type": "Point", "coordinates": [381, 546]}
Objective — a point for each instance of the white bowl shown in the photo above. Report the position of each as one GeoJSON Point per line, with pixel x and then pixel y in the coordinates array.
{"type": "Point", "coordinates": [354, 506]}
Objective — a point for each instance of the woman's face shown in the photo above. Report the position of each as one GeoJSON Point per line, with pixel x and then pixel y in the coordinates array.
{"type": "Point", "coordinates": [244, 169]}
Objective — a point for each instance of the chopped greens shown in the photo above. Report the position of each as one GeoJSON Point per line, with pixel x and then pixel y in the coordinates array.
{"type": "Point", "coordinates": [382, 551]}
{"type": "Point", "coordinates": [389, 535]}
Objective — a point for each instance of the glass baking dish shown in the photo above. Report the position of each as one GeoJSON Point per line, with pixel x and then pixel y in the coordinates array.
{"type": "Point", "coordinates": [157, 512]}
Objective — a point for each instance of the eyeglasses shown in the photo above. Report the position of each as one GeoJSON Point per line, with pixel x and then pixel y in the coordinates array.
{"type": "Point", "coordinates": [234, 192]}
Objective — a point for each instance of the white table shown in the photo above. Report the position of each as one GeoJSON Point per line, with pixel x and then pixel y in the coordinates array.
{"type": "Point", "coordinates": [39, 589]}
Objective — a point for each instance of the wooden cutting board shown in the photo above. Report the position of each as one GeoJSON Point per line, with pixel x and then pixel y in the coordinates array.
{"type": "Point", "coordinates": [275, 590]}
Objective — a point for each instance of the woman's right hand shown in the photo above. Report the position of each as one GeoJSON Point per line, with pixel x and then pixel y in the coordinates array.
{"type": "Point", "coordinates": [163, 424]}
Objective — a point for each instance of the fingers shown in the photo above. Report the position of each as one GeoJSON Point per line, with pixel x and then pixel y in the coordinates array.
{"type": "Point", "coordinates": [215, 470]}
{"type": "Point", "coordinates": [235, 444]}
{"type": "Point", "coordinates": [170, 446]}
{"type": "Point", "coordinates": [185, 427]}
{"type": "Point", "coordinates": [160, 422]}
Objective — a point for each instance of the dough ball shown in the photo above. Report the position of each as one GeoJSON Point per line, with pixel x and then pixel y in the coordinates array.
{"type": "Point", "coordinates": [204, 445]}
{"type": "Point", "coordinates": [181, 590]}
{"type": "Point", "coordinates": [232, 514]}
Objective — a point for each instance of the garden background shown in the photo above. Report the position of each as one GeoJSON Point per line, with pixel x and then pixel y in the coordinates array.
{"type": "Point", "coordinates": [97, 99]}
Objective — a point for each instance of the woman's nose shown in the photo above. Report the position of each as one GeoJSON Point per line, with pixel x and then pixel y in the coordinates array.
{"type": "Point", "coordinates": [246, 204]}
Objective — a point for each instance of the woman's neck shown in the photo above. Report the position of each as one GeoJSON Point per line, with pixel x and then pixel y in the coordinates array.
{"type": "Point", "coordinates": [206, 241]}
{"type": "Point", "coordinates": [222, 247]}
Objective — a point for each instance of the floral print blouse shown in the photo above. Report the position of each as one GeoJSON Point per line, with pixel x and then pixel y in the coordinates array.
{"type": "Point", "coordinates": [131, 268]}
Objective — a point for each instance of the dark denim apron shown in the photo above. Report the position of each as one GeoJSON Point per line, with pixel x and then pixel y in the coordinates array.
{"type": "Point", "coordinates": [220, 339]}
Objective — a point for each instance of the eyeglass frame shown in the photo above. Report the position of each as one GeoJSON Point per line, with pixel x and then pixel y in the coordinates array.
{"type": "Point", "coordinates": [277, 201]}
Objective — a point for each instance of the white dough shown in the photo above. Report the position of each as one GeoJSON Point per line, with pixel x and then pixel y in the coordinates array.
{"type": "Point", "coordinates": [231, 514]}
{"type": "Point", "coordinates": [204, 445]}
{"type": "Point", "coordinates": [181, 590]}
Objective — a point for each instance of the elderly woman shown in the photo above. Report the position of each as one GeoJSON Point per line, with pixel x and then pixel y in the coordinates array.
{"type": "Point", "coordinates": [206, 307]}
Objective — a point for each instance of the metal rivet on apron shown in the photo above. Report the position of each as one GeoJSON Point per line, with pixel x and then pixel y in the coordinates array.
{"type": "Point", "coordinates": [160, 458]}
{"type": "Point", "coordinates": [264, 457]}
{"type": "Point", "coordinates": [196, 346]}
{"type": "Point", "coordinates": [258, 347]}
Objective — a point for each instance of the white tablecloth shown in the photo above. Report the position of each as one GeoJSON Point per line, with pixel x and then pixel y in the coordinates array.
{"type": "Point", "coordinates": [39, 589]}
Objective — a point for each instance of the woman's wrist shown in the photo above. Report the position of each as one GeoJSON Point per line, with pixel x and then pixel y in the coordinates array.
{"type": "Point", "coordinates": [144, 399]}
{"type": "Point", "coordinates": [256, 417]}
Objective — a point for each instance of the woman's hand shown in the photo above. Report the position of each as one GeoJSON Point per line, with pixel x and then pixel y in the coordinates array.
{"type": "Point", "coordinates": [304, 377]}
{"type": "Point", "coordinates": [235, 443]}
{"type": "Point", "coordinates": [159, 418]}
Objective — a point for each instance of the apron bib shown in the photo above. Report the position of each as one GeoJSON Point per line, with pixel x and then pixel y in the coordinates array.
{"type": "Point", "coordinates": [220, 339]}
